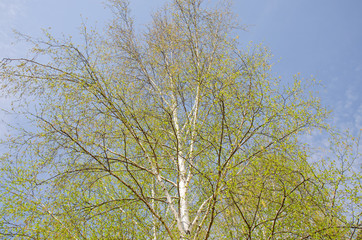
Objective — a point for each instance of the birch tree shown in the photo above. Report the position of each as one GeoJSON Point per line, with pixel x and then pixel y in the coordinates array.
{"type": "Point", "coordinates": [175, 132]}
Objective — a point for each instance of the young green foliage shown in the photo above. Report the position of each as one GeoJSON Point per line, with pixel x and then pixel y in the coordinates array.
{"type": "Point", "coordinates": [172, 133]}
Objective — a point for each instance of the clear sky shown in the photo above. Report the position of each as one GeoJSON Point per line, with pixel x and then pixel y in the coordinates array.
{"type": "Point", "coordinates": [320, 38]}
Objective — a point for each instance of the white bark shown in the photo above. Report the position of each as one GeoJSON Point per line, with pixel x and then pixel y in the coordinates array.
{"type": "Point", "coordinates": [154, 221]}
{"type": "Point", "coordinates": [184, 208]}
{"type": "Point", "coordinates": [182, 184]}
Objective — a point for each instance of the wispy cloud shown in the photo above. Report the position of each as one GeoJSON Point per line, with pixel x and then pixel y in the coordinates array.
{"type": "Point", "coordinates": [11, 9]}
{"type": "Point", "coordinates": [347, 113]}
{"type": "Point", "coordinates": [12, 14]}
{"type": "Point", "coordinates": [358, 118]}
{"type": "Point", "coordinates": [351, 98]}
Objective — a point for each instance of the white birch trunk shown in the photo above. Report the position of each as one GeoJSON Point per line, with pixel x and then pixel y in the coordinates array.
{"type": "Point", "coordinates": [184, 208]}
{"type": "Point", "coordinates": [182, 185]}
{"type": "Point", "coordinates": [154, 221]}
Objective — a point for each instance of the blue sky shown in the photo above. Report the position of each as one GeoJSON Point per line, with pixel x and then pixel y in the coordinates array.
{"type": "Point", "coordinates": [319, 38]}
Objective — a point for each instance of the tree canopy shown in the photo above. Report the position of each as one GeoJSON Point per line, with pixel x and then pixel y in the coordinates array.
{"type": "Point", "coordinates": [173, 132]}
